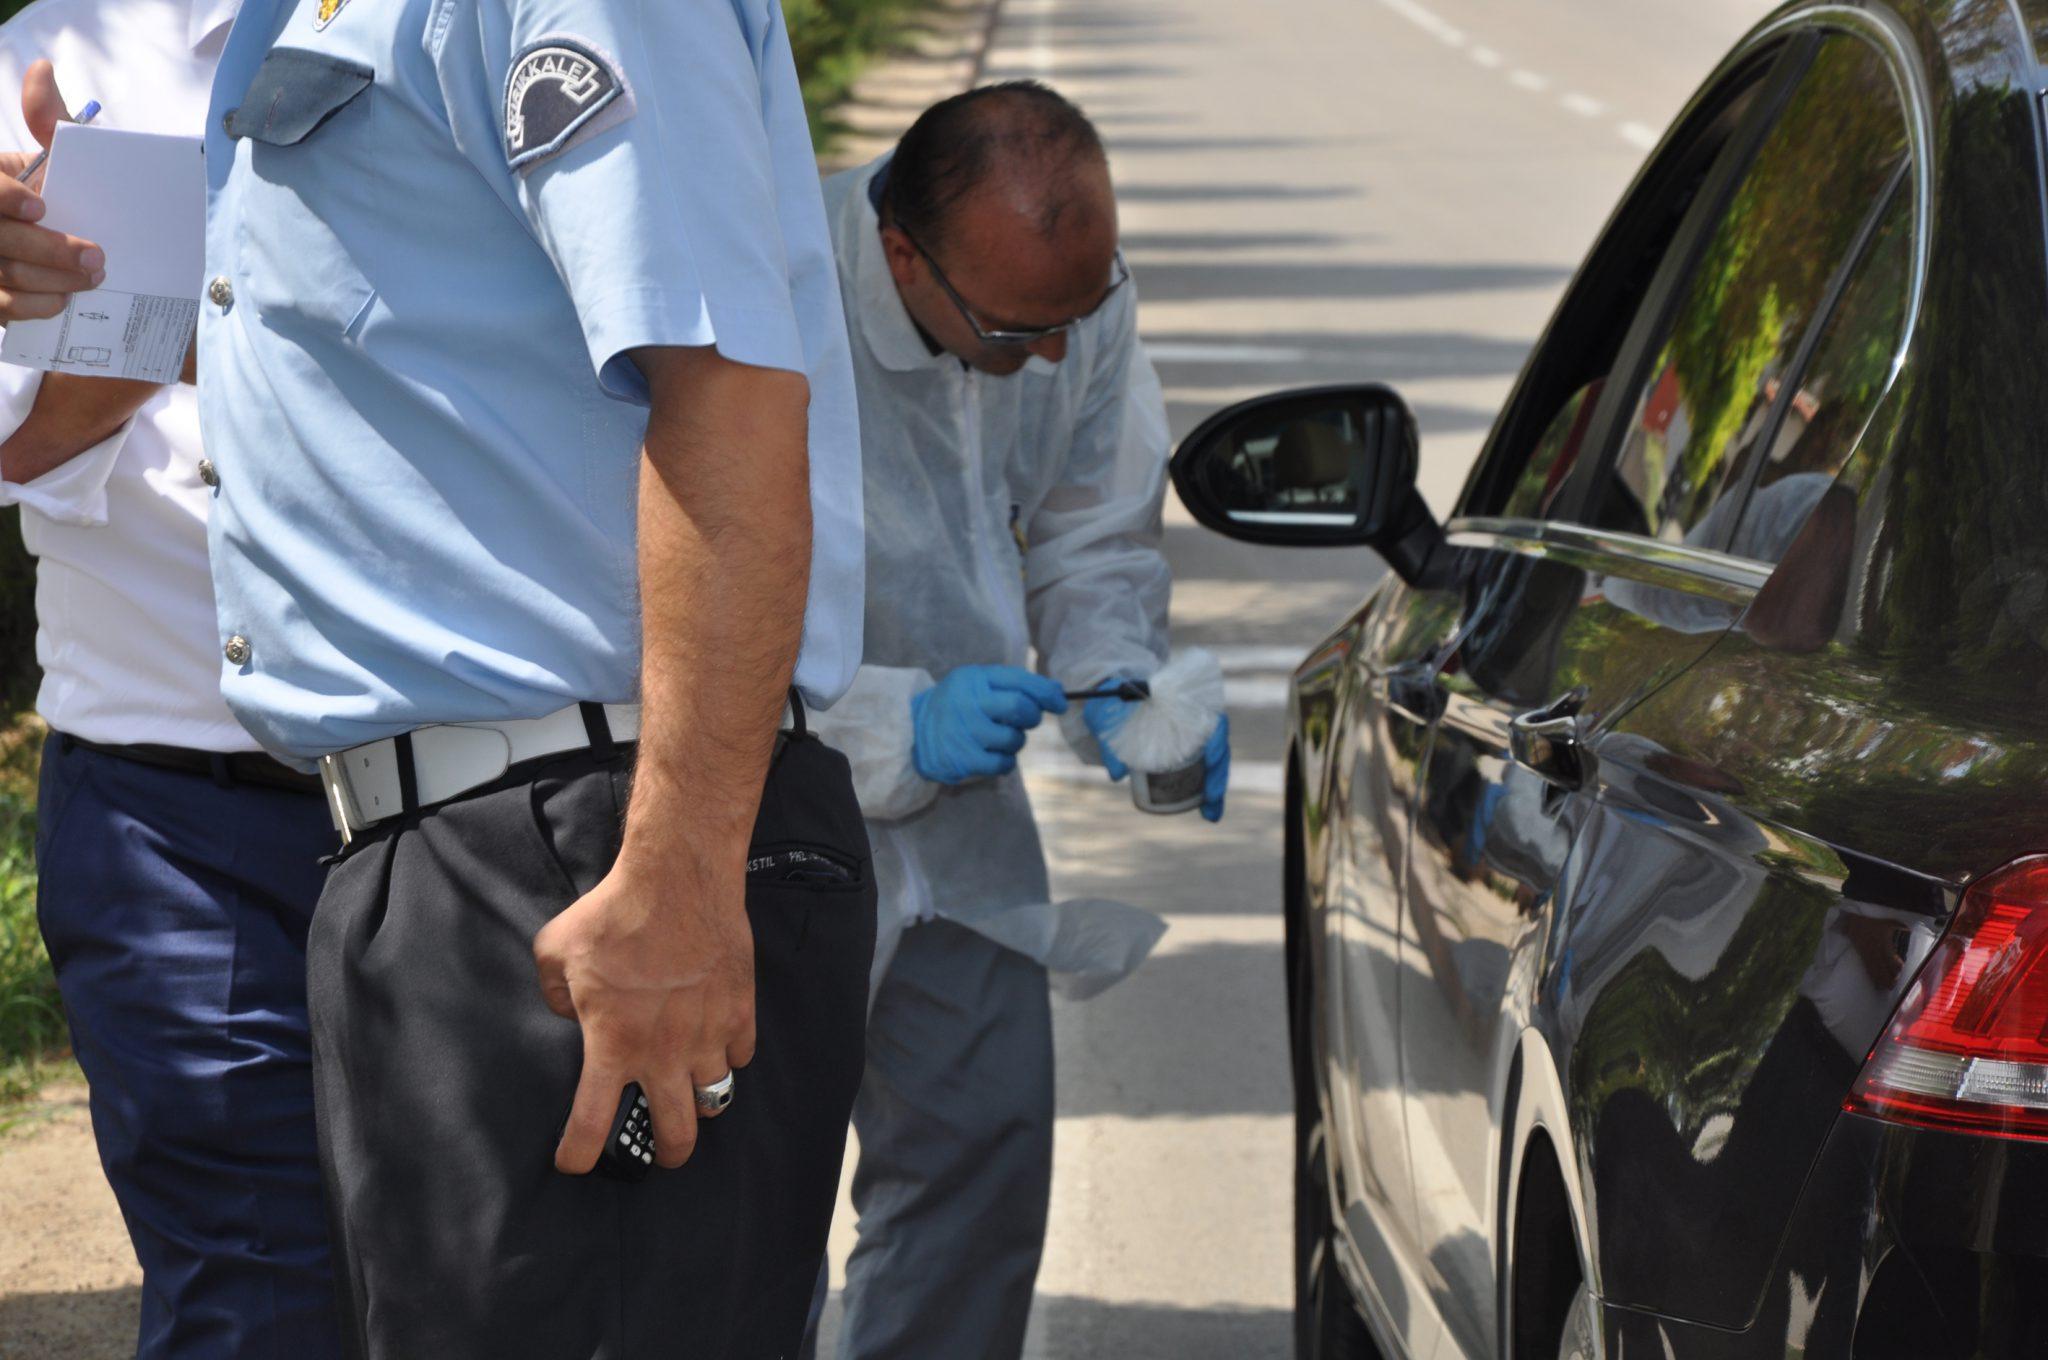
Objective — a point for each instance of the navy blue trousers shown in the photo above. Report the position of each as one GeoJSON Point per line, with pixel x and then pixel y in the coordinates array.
{"type": "Point", "coordinates": [175, 910]}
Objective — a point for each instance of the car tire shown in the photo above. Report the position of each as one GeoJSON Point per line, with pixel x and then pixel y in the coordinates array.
{"type": "Point", "coordinates": [1581, 1338]}
{"type": "Point", "coordinates": [1327, 1325]}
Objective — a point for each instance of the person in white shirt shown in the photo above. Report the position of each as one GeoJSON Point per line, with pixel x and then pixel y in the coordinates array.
{"type": "Point", "coordinates": [179, 865]}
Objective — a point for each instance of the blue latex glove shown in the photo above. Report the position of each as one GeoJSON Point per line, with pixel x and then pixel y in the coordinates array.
{"type": "Point", "coordinates": [972, 723]}
{"type": "Point", "coordinates": [1217, 753]}
{"type": "Point", "coordinates": [1104, 716]}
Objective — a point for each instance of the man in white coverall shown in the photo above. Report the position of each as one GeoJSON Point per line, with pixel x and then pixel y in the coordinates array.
{"type": "Point", "coordinates": [1015, 449]}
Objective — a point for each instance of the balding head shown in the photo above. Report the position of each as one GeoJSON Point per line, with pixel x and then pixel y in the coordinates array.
{"type": "Point", "coordinates": [1002, 194]}
{"type": "Point", "coordinates": [1019, 140]}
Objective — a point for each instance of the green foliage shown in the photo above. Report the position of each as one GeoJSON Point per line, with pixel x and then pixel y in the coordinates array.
{"type": "Point", "coordinates": [834, 40]}
{"type": "Point", "coordinates": [1791, 224]}
{"type": "Point", "coordinates": [19, 674]}
{"type": "Point", "coordinates": [31, 1022]}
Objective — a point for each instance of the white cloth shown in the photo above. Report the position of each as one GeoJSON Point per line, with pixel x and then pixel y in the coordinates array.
{"type": "Point", "coordinates": [124, 603]}
{"type": "Point", "coordinates": [1003, 514]}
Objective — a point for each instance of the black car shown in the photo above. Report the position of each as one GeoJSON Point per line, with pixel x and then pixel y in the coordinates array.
{"type": "Point", "coordinates": [1667, 861]}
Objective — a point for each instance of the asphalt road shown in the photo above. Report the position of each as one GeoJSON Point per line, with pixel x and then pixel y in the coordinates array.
{"type": "Point", "coordinates": [1320, 191]}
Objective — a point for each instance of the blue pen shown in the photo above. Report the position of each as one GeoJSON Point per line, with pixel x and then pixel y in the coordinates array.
{"type": "Point", "coordinates": [85, 115]}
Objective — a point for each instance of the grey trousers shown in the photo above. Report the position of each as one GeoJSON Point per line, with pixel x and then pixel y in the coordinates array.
{"type": "Point", "coordinates": [442, 1079]}
{"type": "Point", "coordinates": [955, 1122]}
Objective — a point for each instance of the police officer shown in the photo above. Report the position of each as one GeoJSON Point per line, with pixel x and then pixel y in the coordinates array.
{"type": "Point", "coordinates": [517, 310]}
{"type": "Point", "coordinates": [1016, 446]}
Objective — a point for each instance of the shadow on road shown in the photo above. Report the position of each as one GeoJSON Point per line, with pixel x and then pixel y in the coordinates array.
{"type": "Point", "coordinates": [85, 1324]}
{"type": "Point", "coordinates": [1137, 244]}
{"type": "Point", "coordinates": [1075, 1328]}
{"type": "Point", "coordinates": [1219, 192]}
{"type": "Point", "coordinates": [1070, 1328]}
{"type": "Point", "coordinates": [1250, 357]}
{"type": "Point", "coordinates": [1266, 281]}
{"type": "Point", "coordinates": [1081, 74]}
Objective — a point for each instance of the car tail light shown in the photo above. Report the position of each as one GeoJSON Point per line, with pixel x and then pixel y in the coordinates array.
{"type": "Point", "coordinates": [1968, 1048]}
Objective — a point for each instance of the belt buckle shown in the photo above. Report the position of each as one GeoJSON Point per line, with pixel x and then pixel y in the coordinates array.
{"type": "Point", "coordinates": [340, 807]}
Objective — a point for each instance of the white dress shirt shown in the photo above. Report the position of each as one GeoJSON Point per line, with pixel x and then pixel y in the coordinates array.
{"type": "Point", "coordinates": [124, 601]}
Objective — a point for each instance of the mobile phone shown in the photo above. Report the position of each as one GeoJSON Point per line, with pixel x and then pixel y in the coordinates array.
{"type": "Point", "coordinates": [629, 1147]}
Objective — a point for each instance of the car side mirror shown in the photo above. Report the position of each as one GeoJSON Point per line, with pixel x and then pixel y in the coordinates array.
{"type": "Point", "coordinates": [1324, 467]}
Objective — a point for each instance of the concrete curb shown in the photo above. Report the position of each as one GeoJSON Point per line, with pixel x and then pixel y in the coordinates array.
{"type": "Point", "coordinates": [944, 53]}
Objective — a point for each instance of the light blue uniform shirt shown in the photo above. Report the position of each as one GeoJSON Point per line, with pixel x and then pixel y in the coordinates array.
{"type": "Point", "coordinates": [434, 229]}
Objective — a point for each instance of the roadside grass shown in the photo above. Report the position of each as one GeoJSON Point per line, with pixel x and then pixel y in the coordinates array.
{"type": "Point", "coordinates": [32, 1036]}
{"type": "Point", "coordinates": [834, 40]}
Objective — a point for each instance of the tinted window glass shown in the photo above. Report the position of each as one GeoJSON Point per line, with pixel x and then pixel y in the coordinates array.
{"type": "Point", "coordinates": [1556, 453]}
{"type": "Point", "coordinates": [1793, 221]}
{"type": "Point", "coordinates": [1547, 419]}
{"type": "Point", "coordinates": [1837, 394]}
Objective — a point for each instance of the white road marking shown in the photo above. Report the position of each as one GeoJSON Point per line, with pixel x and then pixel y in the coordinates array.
{"type": "Point", "coordinates": [1265, 692]}
{"type": "Point", "coordinates": [1192, 930]}
{"type": "Point", "coordinates": [1205, 352]}
{"type": "Point", "coordinates": [1244, 656]}
{"type": "Point", "coordinates": [1437, 27]}
{"type": "Point", "coordinates": [1585, 106]}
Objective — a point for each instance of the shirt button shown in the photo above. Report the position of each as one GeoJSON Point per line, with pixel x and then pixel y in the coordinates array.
{"type": "Point", "coordinates": [222, 292]}
{"type": "Point", "coordinates": [208, 473]}
{"type": "Point", "coordinates": [237, 650]}
{"type": "Point", "coordinates": [227, 122]}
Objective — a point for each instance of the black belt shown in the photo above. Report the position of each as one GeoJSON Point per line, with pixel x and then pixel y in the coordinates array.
{"type": "Point", "coordinates": [226, 768]}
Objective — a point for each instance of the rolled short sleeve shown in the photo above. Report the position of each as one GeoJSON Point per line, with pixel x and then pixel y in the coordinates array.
{"type": "Point", "coordinates": [635, 135]}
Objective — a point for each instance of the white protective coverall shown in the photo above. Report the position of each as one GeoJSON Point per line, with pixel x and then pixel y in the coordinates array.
{"type": "Point", "coordinates": [1003, 514]}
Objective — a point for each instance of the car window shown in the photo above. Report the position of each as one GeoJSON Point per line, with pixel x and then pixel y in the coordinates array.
{"type": "Point", "coordinates": [1794, 219]}
{"type": "Point", "coordinates": [1548, 417]}
{"type": "Point", "coordinates": [1557, 452]}
{"type": "Point", "coordinates": [1837, 394]}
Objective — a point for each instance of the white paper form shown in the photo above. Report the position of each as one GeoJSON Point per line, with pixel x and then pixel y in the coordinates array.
{"type": "Point", "coordinates": [141, 197]}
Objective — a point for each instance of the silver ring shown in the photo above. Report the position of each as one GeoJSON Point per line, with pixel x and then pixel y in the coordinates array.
{"type": "Point", "coordinates": [714, 1098]}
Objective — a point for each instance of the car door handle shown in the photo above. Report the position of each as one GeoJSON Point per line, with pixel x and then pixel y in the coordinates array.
{"type": "Point", "coordinates": [1548, 742]}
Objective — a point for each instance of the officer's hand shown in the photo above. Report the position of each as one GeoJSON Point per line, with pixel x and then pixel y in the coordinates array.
{"type": "Point", "coordinates": [972, 723]}
{"type": "Point", "coordinates": [658, 969]}
{"type": "Point", "coordinates": [39, 268]}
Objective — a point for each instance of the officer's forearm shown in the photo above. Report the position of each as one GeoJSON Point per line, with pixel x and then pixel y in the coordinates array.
{"type": "Point", "coordinates": [70, 415]}
{"type": "Point", "coordinates": [724, 551]}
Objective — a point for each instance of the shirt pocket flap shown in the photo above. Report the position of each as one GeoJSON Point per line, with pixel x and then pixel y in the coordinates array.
{"type": "Point", "coordinates": [294, 92]}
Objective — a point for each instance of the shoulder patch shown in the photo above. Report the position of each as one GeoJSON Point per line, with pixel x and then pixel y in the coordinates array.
{"type": "Point", "coordinates": [325, 15]}
{"type": "Point", "coordinates": [560, 90]}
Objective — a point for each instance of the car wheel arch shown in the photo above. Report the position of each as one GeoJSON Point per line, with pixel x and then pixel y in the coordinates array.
{"type": "Point", "coordinates": [1535, 1130]}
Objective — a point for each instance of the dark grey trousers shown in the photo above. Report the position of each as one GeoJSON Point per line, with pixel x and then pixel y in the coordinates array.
{"type": "Point", "coordinates": [955, 1119]}
{"type": "Point", "coordinates": [442, 1081]}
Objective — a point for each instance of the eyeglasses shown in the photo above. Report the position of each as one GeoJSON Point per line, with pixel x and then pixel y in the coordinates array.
{"type": "Point", "coordinates": [1022, 335]}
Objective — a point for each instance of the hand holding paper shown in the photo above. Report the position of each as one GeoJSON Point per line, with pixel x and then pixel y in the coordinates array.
{"type": "Point", "coordinates": [39, 267]}
{"type": "Point", "coordinates": [144, 195]}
